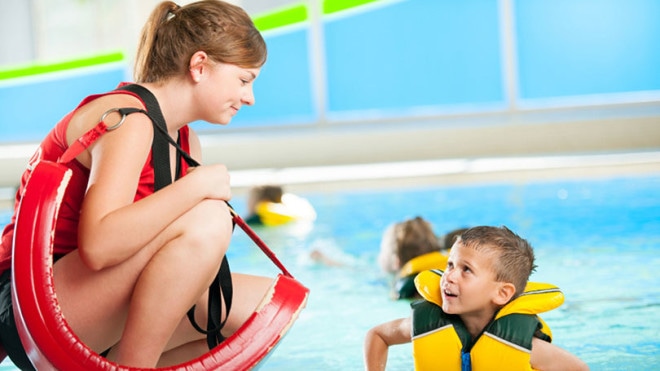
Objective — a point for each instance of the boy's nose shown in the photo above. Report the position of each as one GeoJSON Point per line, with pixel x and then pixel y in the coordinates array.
{"type": "Point", "coordinates": [448, 275]}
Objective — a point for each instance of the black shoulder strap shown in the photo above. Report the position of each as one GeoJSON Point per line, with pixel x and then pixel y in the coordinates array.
{"type": "Point", "coordinates": [162, 177]}
{"type": "Point", "coordinates": [159, 146]}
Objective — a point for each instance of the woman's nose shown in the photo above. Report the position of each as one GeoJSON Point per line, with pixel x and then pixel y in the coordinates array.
{"type": "Point", "coordinates": [248, 97]}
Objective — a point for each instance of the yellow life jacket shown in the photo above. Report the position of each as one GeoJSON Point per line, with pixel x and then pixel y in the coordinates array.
{"type": "Point", "coordinates": [292, 208]}
{"type": "Point", "coordinates": [404, 286]}
{"type": "Point", "coordinates": [441, 341]}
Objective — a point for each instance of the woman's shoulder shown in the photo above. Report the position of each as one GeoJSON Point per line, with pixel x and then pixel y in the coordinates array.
{"type": "Point", "coordinates": [102, 107]}
{"type": "Point", "coordinates": [97, 107]}
{"type": "Point", "coordinates": [110, 100]}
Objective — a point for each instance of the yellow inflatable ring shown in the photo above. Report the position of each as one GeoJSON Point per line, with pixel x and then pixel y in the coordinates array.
{"type": "Point", "coordinates": [292, 208]}
{"type": "Point", "coordinates": [404, 286]}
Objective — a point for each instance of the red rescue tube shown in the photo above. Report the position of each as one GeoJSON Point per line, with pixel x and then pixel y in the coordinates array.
{"type": "Point", "coordinates": [49, 341]}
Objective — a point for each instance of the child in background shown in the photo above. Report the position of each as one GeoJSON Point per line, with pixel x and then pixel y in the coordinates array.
{"type": "Point", "coordinates": [409, 247]}
{"type": "Point", "coordinates": [269, 205]}
{"type": "Point", "coordinates": [404, 241]}
{"type": "Point", "coordinates": [451, 237]}
{"type": "Point", "coordinates": [488, 268]}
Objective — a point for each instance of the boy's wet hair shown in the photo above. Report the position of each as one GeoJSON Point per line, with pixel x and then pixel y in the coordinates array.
{"type": "Point", "coordinates": [513, 256]}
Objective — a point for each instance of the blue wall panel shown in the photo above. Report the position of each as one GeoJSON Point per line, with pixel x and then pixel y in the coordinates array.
{"type": "Point", "coordinates": [283, 90]}
{"type": "Point", "coordinates": [32, 106]}
{"type": "Point", "coordinates": [399, 58]}
{"type": "Point", "coordinates": [415, 53]}
{"type": "Point", "coordinates": [583, 47]}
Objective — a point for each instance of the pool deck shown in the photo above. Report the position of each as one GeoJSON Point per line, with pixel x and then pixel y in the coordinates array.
{"type": "Point", "coordinates": [451, 172]}
{"type": "Point", "coordinates": [452, 150]}
{"type": "Point", "coordinates": [426, 173]}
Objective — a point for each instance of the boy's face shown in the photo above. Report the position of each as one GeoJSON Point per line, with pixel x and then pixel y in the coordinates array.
{"type": "Point", "coordinates": [468, 285]}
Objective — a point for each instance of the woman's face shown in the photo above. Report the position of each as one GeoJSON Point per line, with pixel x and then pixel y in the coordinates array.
{"type": "Point", "coordinates": [223, 90]}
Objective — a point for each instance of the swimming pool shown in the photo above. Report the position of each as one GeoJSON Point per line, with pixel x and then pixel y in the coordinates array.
{"type": "Point", "coordinates": [598, 240]}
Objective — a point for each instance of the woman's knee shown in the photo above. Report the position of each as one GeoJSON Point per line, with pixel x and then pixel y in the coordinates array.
{"type": "Point", "coordinates": [207, 225]}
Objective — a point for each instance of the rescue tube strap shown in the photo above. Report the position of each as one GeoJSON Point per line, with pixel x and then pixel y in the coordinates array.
{"type": "Point", "coordinates": [86, 140]}
{"type": "Point", "coordinates": [162, 177]}
{"type": "Point", "coordinates": [214, 325]}
{"type": "Point", "coordinates": [83, 142]}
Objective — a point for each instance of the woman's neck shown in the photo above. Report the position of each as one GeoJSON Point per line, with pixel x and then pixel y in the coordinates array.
{"type": "Point", "coordinates": [172, 96]}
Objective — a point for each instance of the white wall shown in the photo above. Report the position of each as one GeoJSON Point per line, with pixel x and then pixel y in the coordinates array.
{"type": "Point", "coordinates": [16, 32]}
{"type": "Point", "coordinates": [54, 30]}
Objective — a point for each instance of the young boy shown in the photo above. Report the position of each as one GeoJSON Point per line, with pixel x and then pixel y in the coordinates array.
{"type": "Point", "coordinates": [488, 267]}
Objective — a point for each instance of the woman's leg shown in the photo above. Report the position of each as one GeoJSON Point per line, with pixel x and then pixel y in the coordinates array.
{"type": "Point", "coordinates": [9, 337]}
{"type": "Point", "coordinates": [249, 292]}
{"type": "Point", "coordinates": [139, 303]}
{"type": "Point", "coordinates": [183, 353]}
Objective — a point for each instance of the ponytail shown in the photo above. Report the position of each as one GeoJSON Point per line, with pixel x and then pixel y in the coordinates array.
{"type": "Point", "coordinates": [144, 59]}
{"type": "Point", "coordinates": [172, 34]}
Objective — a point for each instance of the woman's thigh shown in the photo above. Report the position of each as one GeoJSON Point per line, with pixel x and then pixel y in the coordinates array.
{"type": "Point", "coordinates": [248, 292]}
{"type": "Point", "coordinates": [9, 337]}
{"type": "Point", "coordinates": [95, 303]}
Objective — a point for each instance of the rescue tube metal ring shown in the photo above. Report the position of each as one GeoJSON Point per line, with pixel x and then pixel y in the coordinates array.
{"type": "Point", "coordinates": [115, 126]}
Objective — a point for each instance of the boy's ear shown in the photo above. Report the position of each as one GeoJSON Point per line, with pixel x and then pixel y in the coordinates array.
{"type": "Point", "coordinates": [504, 293]}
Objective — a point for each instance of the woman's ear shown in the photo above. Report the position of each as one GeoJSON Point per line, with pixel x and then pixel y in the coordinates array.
{"type": "Point", "coordinates": [504, 293]}
{"type": "Point", "coordinates": [198, 65]}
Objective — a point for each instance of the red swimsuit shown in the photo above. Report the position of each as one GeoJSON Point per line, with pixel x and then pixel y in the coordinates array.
{"type": "Point", "coordinates": [51, 149]}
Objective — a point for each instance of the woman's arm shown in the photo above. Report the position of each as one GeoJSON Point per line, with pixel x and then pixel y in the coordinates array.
{"type": "Point", "coordinates": [112, 226]}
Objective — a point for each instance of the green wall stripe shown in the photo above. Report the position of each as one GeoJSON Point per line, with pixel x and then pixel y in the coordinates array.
{"type": "Point", "coordinates": [280, 18]}
{"type": "Point", "coordinates": [283, 17]}
{"type": "Point", "coordinates": [333, 6]}
{"type": "Point", "coordinates": [39, 68]}
{"type": "Point", "coordinates": [298, 13]}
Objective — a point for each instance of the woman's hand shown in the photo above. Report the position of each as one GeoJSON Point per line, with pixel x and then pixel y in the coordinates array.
{"type": "Point", "coordinates": [213, 181]}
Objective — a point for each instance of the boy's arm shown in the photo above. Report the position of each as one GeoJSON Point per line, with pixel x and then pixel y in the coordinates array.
{"type": "Point", "coordinates": [547, 357]}
{"type": "Point", "coordinates": [379, 339]}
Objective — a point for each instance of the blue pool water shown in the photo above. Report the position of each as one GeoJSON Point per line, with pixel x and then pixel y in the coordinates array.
{"type": "Point", "coordinates": [596, 239]}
